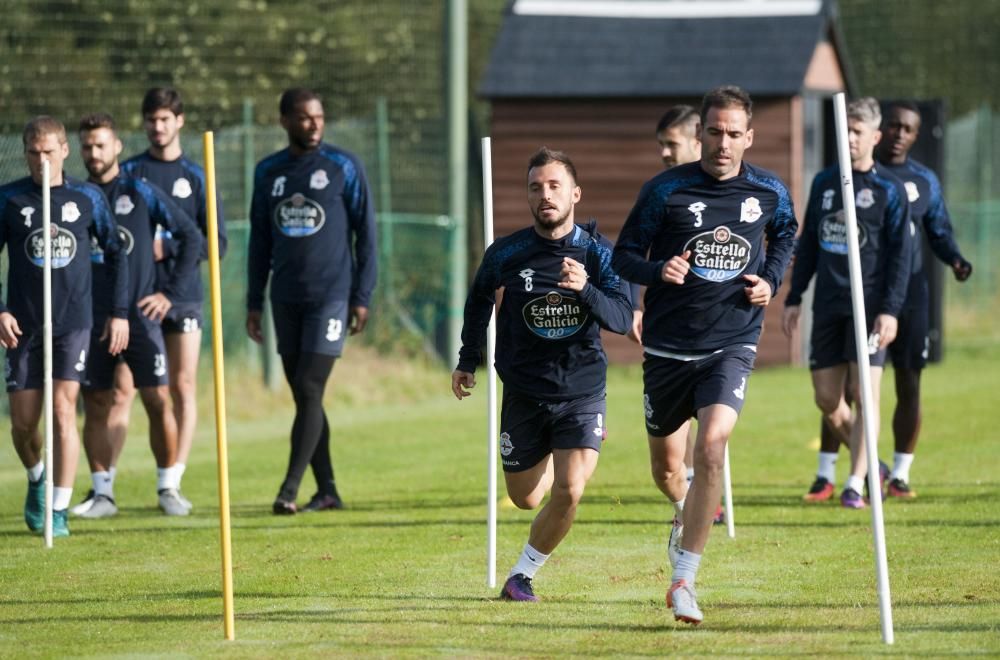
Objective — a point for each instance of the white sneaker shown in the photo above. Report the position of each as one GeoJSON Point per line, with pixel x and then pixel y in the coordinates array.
{"type": "Point", "coordinates": [185, 501]}
{"type": "Point", "coordinates": [171, 504]}
{"type": "Point", "coordinates": [681, 598]}
{"type": "Point", "coordinates": [674, 544]}
{"type": "Point", "coordinates": [102, 506]}
{"type": "Point", "coordinates": [84, 506]}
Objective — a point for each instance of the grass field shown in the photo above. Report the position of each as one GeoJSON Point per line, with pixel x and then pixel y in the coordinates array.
{"type": "Point", "coordinates": [402, 571]}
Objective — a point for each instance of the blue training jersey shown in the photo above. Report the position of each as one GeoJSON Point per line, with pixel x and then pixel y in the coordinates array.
{"type": "Point", "coordinates": [79, 211]}
{"type": "Point", "coordinates": [548, 338]}
{"type": "Point", "coordinates": [723, 224]}
{"type": "Point", "coordinates": [312, 223]}
{"type": "Point", "coordinates": [884, 239]}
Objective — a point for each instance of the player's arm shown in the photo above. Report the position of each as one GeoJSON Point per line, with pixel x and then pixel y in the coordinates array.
{"type": "Point", "coordinates": [164, 212]}
{"type": "Point", "coordinates": [806, 249]}
{"type": "Point", "coordinates": [898, 251]}
{"type": "Point", "coordinates": [9, 329]}
{"type": "Point", "coordinates": [780, 232]}
{"type": "Point", "coordinates": [361, 218]}
{"type": "Point", "coordinates": [258, 257]}
{"type": "Point", "coordinates": [940, 235]}
{"type": "Point", "coordinates": [105, 229]}
{"type": "Point", "coordinates": [603, 292]}
{"type": "Point", "coordinates": [629, 256]}
{"type": "Point", "coordinates": [478, 310]}
{"type": "Point", "coordinates": [202, 220]}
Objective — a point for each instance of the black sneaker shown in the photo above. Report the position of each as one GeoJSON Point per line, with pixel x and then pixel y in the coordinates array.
{"type": "Point", "coordinates": [901, 489]}
{"type": "Point", "coordinates": [322, 502]}
{"type": "Point", "coordinates": [283, 508]}
{"type": "Point", "coordinates": [820, 491]}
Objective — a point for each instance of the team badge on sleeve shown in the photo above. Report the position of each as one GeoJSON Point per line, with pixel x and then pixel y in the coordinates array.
{"type": "Point", "coordinates": [123, 205]}
{"type": "Point", "coordinates": [70, 212]}
{"type": "Point", "coordinates": [750, 210]}
{"type": "Point", "coordinates": [319, 180]}
{"type": "Point", "coordinates": [718, 255]}
{"type": "Point", "coordinates": [865, 199]}
{"type": "Point", "coordinates": [182, 188]}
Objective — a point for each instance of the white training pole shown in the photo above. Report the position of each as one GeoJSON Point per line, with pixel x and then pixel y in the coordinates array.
{"type": "Point", "coordinates": [491, 384]}
{"type": "Point", "coordinates": [864, 371]}
{"type": "Point", "coordinates": [47, 343]}
{"type": "Point", "coordinates": [727, 484]}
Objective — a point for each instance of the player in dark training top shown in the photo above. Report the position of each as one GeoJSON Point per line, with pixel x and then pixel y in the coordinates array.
{"type": "Point", "coordinates": [695, 238]}
{"type": "Point", "coordinates": [312, 232]}
{"type": "Point", "coordinates": [79, 212]}
{"type": "Point", "coordinates": [884, 238]}
{"type": "Point", "coordinates": [559, 291]}
{"type": "Point", "coordinates": [139, 208]}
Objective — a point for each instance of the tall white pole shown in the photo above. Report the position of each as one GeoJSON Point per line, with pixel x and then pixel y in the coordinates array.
{"type": "Point", "coordinates": [864, 370]}
{"type": "Point", "coordinates": [47, 342]}
{"type": "Point", "coordinates": [727, 485]}
{"type": "Point", "coordinates": [491, 383]}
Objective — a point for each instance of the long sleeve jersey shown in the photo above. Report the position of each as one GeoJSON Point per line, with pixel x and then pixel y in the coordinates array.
{"type": "Point", "coordinates": [723, 224]}
{"type": "Point", "coordinates": [184, 181]}
{"type": "Point", "coordinates": [312, 222]}
{"type": "Point", "coordinates": [140, 207]}
{"type": "Point", "coordinates": [79, 211]}
{"type": "Point", "coordinates": [883, 237]}
{"type": "Point", "coordinates": [548, 338]}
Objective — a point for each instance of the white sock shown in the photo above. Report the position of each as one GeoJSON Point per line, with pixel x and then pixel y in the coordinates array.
{"type": "Point", "coordinates": [679, 508]}
{"type": "Point", "coordinates": [112, 471]}
{"type": "Point", "coordinates": [101, 483]}
{"type": "Point", "coordinates": [164, 478]}
{"type": "Point", "coordinates": [35, 473]}
{"type": "Point", "coordinates": [901, 466]}
{"type": "Point", "coordinates": [690, 473]}
{"type": "Point", "coordinates": [178, 474]}
{"type": "Point", "coordinates": [827, 466]}
{"type": "Point", "coordinates": [61, 498]}
{"type": "Point", "coordinates": [857, 484]}
{"type": "Point", "coordinates": [687, 568]}
{"type": "Point", "coordinates": [529, 562]}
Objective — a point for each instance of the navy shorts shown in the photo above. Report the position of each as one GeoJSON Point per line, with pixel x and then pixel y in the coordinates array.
{"type": "Point", "coordinates": [530, 429]}
{"type": "Point", "coordinates": [145, 357]}
{"type": "Point", "coordinates": [310, 327]}
{"type": "Point", "coordinates": [832, 341]}
{"type": "Point", "coordinates": [912, 344]}
{"type": "Point", "coordinates": [26, 363]}
{"type": "Point", "coordinates": [676, 388]}
{"type": "Point", "coordinates": [183, 318]}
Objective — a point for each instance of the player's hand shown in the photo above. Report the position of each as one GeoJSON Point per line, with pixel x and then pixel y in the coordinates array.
{"type": "Point", "coordinates": [885, 327]}
{"type": "Point", "coordinates": [676, 268]}
{"type": "Point", "coordinates": [790, 319]}
{"type": "Point", "coordinates": [461, 383]}
{"type": "Point", "coordinates": [116, 332]}
{"type": "Point", "coordinates": [9, 330]}
{"type": "Point", "coordinates": [357, 319]}
{"type": "Point", "coordinates": [254, 326]}
{"type": "Point", "coordinates": [157, 249]}
{"type": "Point", "coordinates": [961, 268]}
{"type": "Point", "coordinates": [155, 306]}
{"type": "Point", "coordinates": [758, 290]}
{"type": "Point", "coordinates": [635, 332]}
{"type": "Point", "coordinates": [574, 275]}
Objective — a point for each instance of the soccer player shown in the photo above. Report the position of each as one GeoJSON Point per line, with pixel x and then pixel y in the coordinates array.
{"type": "Point", "coordinates": [883, 215]}
{"type": "Point", "coordinates": [79, 212]}
{"type": "Point", "coordinates": [559, 291]}
{"type": "Point", "coordinates": [139, 208]}
{"type": "Point", "coordinates": [312, 222]}
{"type": "Point", "coordinates": [165, 166]}
{"type": "Point", "coordinates": [708, 279]}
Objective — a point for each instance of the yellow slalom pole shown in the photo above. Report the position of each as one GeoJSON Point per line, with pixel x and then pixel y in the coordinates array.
{"type": "Point", "coordinates": [220, 387]}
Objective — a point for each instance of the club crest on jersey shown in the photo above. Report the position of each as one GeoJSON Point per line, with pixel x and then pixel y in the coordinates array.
{"type": "Point", "coordinates": [865, 199]}
{"type": "Point", "coordinates": [70, 212]}
{"type": "Point", "coordinates": [554, 316]}
{"type": "Point", "coordinates": [63, 247]}
{"type": "Point", "coordinates": [299, 216]}
{"type": "Point", "coordinates": [833, 233]}
{"type": "Point", "coordinates": [319, 180]}
{"type": "Point", "coordinates": [124, 237]}
{"type": "Point", "coordinates": [506, 446]}
{"type": "Point", "coordinates": [912, 192]}
{"type": "Point", "coordinates": [181, 189]}
{"type": "Point", "coordinates": [718, 255]}
{"type": "Point", "coordinates": [27, 212]}
{"type": "Point", "coordinates": [750, 210]}
{"type": "Point", "coordinates": [123, 205]}
{"type": "Point", "coordinates": [827, 200]}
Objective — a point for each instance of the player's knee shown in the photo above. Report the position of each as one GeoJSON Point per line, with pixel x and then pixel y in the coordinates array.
{"type": "Point", "coordinates": [526, 501]}
{"type": "Point", "coordinates": [183, 385]}
{"type": "Point", "coordinates": [567, 495]}
{"type": "Point", "coordinates": [711, 450]}
{"type": "Point", "coordinates": [156, 401]}
{"type": "Point", "coordinates": [827, 401]}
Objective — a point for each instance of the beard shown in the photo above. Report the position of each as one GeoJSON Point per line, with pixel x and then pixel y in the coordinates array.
{"type": "Point", "coordinates": [98, 168]}
{"type": "Point", "coordinates": [551, 222]}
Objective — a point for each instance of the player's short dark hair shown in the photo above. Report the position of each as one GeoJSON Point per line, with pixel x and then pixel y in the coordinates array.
{"type": "Point", "coordinates": [162, 98]}
{"type": "Point", "coordinates": [544, 156]}
{"type": "Point", "coordinates": [727, 96]}
{"type": "Point", "coordinates": [904, 105]}
{"type": "Point", "coordinates": [677, 115]}
{"type": "Point", "coordinates": [97, 120]}
{"type": "Point", "coordinates": [41, 126]}
{"type": "Point", "coordinates": [291, 98]}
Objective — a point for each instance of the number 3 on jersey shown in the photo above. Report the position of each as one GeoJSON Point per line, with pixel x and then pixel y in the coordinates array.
{"type": "Point", "coordinates": [334, 329]}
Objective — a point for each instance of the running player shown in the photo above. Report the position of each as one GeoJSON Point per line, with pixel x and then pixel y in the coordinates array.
{"type": "Point", "coordinates": [79, 212]}
{"type": "Point", "coordinates": [559, 291]}
{"type": "Point", "coordinates": [709, 278]}
{"type": "Point", "coordinates": [139, 208]}
{"type": "Point", "coordinates": [312, 223]}
{"type": "Point", "coordinates": [883, 215]}
{"type": "Point", "coordinates": [165, 165]}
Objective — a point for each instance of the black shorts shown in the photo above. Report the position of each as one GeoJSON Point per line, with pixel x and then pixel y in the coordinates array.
{"type": "Point", "coordinates": [832, 341]}
{"type": "Point", "coordinates": [912, 344]}
{"type": "Point", "coordinates": [531, 429]}
{"type": "Point", "coordinates": [676, 388]}
{"type": "Point", "coordinates": [145, 357]}
{"type": "Point", "coordinates": [26, 363]}
{"type": "Point", "coordinates": [182, 318]}
{"type": "Point", "coordinates": [310, 327]}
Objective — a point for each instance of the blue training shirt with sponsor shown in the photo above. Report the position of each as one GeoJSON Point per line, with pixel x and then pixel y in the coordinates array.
{"type": "Point", "coordinates": [548, 338]}
{"type": "Point", "coordinates": [139, 207]}
{"type": "Point", "coordinates": [884, 240]}
{"type": "Point", "coordinates": [184, 181]}
{"type": "Point", "coordinates": [79, 211]}
{"type": "Point", "coordinates": [312, 222]}
{"type": "Point", "coordinates": [723, 223]}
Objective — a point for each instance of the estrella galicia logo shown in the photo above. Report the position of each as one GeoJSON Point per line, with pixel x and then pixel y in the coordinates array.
{"type": "Point", "coordinates": [554, 316]}
{"type": "Point", "coordinates": [63, 247]}
{"type": "Point", "coordinates": [299, 216]}
{"type": "Point", "coordinates": [833, 233]}
{"type": "Point", "coordinates": [124, 237]}
{"type": "Point", "coordinates": [718, 255]}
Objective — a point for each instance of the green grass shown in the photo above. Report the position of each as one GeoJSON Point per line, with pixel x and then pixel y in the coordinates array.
{"type": "Point", "coordinates": [402, 571]}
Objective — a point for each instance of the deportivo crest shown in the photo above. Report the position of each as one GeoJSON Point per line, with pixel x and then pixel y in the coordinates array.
{"type": "Point", "coordinates": [833, 233]}
{"type": "Point", "coordinates": [124, 205]}
{"type": "Point", "coordinates": [70, 212]}
{"type": "Point", "coordinates": [181, 189]}
{"type": "Point", "coordinates": [554, 316]}
{"type": "Point", "coordinates": [319, 180]}
{"type": "Point", "coordinates": [718, 255]}
{"type": "Point", "coordinates": [912, 192]}
{"type": "Point", "coordinates": [63, 247]}
{"type": "Point", "coordinates": [124, 236]}
{"type": "Point", "coordinates": [750, 210]}
{"type": "Point", "coordinates": [865, 199]}
{"type": "Point", "coordinates": [299, 216]}
{"type": "Point", "coordinates": [827, 200]}
{"type": "Point", "coordinates": [506, 446]}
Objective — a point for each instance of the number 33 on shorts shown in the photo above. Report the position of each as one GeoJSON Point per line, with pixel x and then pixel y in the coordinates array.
{"type": "Point", "coordinates": [334, 329]}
